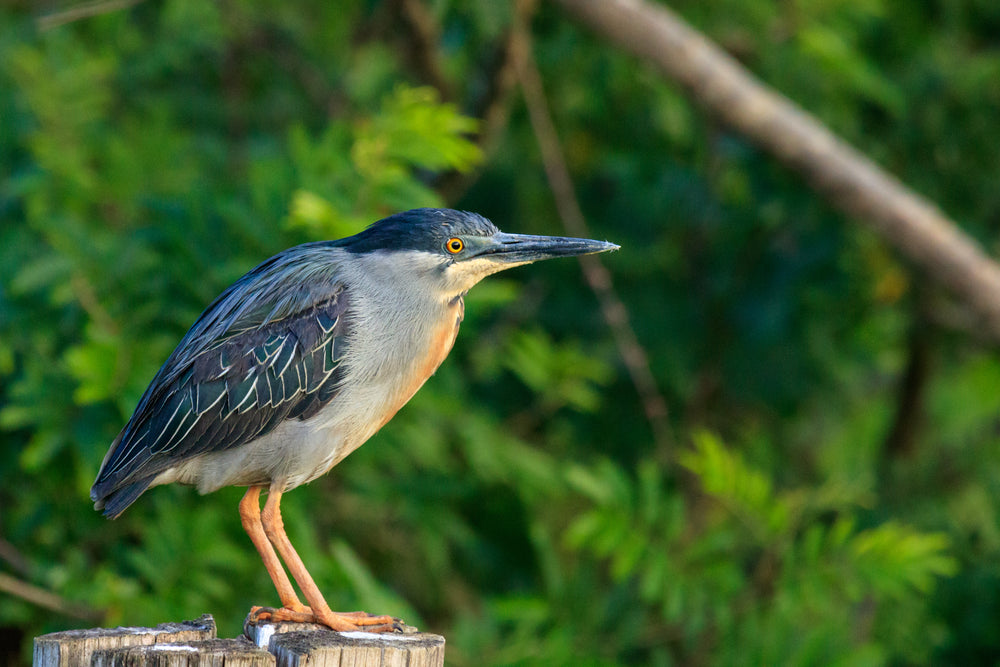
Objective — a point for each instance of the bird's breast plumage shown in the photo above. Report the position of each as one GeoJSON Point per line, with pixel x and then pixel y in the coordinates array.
{"type": "Point", "coordinates": [373, 392]}
{"type": "Point", "coordinates": [441, 340]}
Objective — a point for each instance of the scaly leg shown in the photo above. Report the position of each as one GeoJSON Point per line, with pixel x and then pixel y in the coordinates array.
{"type": "Point", "coordinates": [250, 517]}
{"type": "Point", "coordinates": [275, 531]}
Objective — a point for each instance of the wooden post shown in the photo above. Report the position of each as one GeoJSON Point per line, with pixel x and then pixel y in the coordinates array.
{"type": "Point", "coordinates": [74, 648]}
{"type": "Point", "coordinates": [302, 645]}
{"type": "Point", "coordinates": [194, 643]}
{"type": "Point", "coordinates": [299, 649]}
{"type": "Point", "coordinates": [229, 652]}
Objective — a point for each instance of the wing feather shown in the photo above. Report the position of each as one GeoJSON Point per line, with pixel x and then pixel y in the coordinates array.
{"type": "Point", "coordinates": [234, 386]}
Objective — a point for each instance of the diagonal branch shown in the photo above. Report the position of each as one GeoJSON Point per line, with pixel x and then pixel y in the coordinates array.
{"type": "Point", "coordinates": [848, 179]}
{"type": "Point", "coordinates": [46, 599]}
{"type": "Point", "coordinates": [82, 11]}
{"type": "Point", "coordinates": [596, 275]}
{"type": "Point", "coordinates": [13, 557]}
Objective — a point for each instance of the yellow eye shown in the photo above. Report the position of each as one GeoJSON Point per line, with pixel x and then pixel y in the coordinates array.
{"type": "Point", "coordinates": [455, 245]}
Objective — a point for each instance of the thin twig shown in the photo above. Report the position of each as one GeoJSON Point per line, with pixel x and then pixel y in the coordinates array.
{"type": "Point", "coordinates": [425, 38]}
{"type": "Point", "coordinates": [911, 402]}
{"type": "Point", "coordinates": [493, 107]}
{"type": "Point", "coordinates": [47, 599]}
{"type": "Point", "coordinates": [13, 557]}
{"type": "Point", "coordinates": [82, 11]}
{"type": "Point", "coordinates": [596, 275]}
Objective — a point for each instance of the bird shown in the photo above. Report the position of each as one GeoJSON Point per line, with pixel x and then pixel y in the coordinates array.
{"type": "Point", "coordinates": [298, 363]}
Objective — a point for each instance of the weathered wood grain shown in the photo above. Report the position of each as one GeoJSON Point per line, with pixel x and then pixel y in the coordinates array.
{"type": "Point", "coordinates": [326, 648]}
{"type": "Point", "coordinates": [74, 648]}
{"type": "Point", "coordinates": [210, 652]}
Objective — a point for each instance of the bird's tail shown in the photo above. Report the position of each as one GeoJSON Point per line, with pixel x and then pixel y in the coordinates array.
{"type": "Point", "coordinates": [116, 501]}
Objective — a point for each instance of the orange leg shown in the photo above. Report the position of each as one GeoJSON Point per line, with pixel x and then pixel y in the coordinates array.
{"type": "Point", "coordinates": [250, 516]}
{"type": "Point", "coordinates": [318, 610]}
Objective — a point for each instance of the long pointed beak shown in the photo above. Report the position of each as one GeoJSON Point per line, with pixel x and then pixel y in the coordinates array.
{"type": "Point", "coordinates": [523, 248]}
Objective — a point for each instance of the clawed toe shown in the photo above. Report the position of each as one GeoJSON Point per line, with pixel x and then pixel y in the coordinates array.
{"type": "Point", "coordinates": [372, 623]}
{"type": "Point", "coordinates": [280, 615]}
{"type": "Point", "coordinates": [259, 614]}
{"type": "Point", "coordinates": [351, 621]}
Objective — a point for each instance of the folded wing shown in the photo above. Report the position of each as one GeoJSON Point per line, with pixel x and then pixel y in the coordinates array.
{"type": "Point", "coordinates": [220, 391]}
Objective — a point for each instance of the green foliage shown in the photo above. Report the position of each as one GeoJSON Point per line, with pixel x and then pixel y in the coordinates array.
{"type": "Point", "coordinates": [559, 375]}
{"type": "Point", "coordinates": [779, 562]}
{"type": "Point", "coordinates": [362, 172]}
{"type": "Point", "coordinates": [519, 504]}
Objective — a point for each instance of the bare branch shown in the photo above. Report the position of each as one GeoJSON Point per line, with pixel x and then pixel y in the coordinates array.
{"type": "Point", "coordinates": [493, 108]}
{"type": "Point", "coordinates": [13, 557]}
{"type": "Point", "coordinates": [848, 179]}
{"type": "Point", "coordinates": [598, 277]}
{"type": "Point", "coordinates": [425, 37]}
{"type": "Point", "coordinates": [911, 409]}
{"type": "Point", "coordinates": [82, 11]}
{"type": "Point", "coordinates": [46, 599]}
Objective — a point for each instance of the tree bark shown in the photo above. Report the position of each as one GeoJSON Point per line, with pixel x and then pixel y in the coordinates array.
{"type": "Point", "coordinates": [848, 179]}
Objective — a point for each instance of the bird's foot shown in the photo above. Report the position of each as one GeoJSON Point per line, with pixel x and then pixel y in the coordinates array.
{"type": "Point", "coordinates": [360, 621]}
{"type": "Point", "coordinates": [348, 621]}
{"type": "Point", "coordinates": [299, 614]}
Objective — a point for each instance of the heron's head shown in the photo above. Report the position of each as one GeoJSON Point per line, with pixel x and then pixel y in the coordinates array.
{"type": "Point", "coordinates": [459, 248]}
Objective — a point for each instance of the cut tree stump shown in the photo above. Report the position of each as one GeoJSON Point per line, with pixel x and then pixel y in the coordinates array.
{"type": "Point", "coordinates": [194, 644]}
{"type": "Point", "coordinates": [305, 644]}
{"type": "Point", "coordinates": [217, 652]}
{"type": "Point", "coordinates": [75, 648]}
